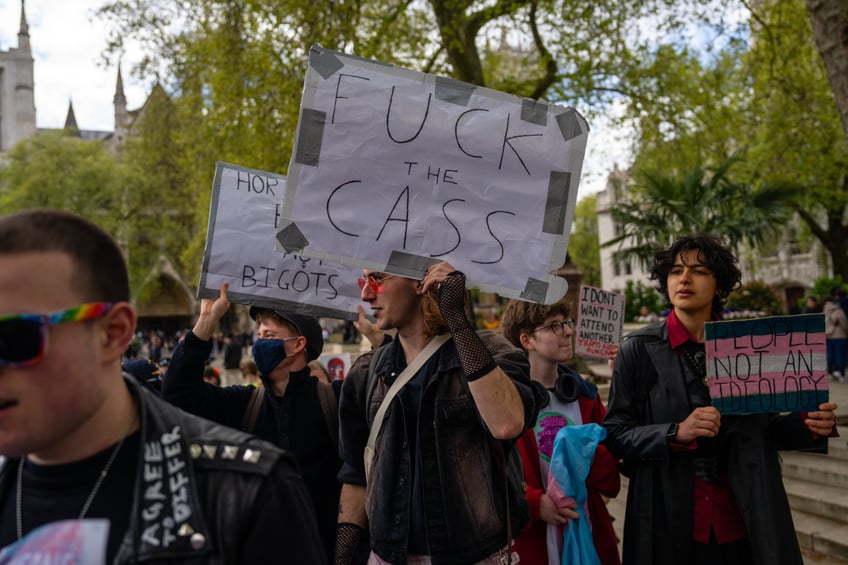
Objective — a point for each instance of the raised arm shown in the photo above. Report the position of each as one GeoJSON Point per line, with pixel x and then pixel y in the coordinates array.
{"type": "Point", "coordinates": [496, 396]}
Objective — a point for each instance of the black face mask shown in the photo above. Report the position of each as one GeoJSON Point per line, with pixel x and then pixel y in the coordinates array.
{"type": "Point", "coordinates": [268, 353]}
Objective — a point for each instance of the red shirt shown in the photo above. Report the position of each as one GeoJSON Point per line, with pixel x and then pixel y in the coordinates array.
{"type": "Point", "coordinates": [715, 505]}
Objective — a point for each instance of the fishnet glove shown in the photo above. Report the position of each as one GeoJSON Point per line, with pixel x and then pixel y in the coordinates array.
{"type": "Point", "coordinates": [475, 358]}
{"type": "Point", "coordinates": [347, 539]}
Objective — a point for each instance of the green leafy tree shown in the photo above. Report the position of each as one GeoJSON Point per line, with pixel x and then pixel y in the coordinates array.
{"type": "Point", "coordinates": [637, 296]}
{"type": "Point", "coordinates": [63, 172]}
{"type": "Point", "coordinates": [661, 208]}
{"type": "Point", "coordinates": [584, 244]}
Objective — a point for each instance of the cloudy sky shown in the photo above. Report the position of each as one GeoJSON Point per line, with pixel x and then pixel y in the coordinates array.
{"type": "Point", "coordinates": [68, 43]}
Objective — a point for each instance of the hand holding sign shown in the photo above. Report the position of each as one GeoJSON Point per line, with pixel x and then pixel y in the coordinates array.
{"type": "Point", "coordinates": [823, 421]}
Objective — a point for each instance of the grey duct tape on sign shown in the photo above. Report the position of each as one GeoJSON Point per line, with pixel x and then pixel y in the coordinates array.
{"type": "Point", "coordinates": [309, 137]}
{"type": "Point", "coordinates": [326, 63]}
{"type": "Point", "coordinates": [453, 91]}
{"type": "Point", "coordinates": [409, 265]}
{"type": "Point", "coordinates": [534, 112]}
{"type": "Point", "coordinates": [569, 124]}
{"type": "Point", "coordinates": [535, 291]}
{"type": "Point", "coordinates": [291, 239]}
{"type": "Point", "coordinates": [556, 205]}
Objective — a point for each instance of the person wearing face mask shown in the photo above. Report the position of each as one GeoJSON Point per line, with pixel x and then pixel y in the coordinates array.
{"type": "Point", "coordinates": [290, 409]}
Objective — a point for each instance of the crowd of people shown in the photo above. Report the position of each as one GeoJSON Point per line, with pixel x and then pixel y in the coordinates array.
{"type": "Point", "coordinates": [444, 444]}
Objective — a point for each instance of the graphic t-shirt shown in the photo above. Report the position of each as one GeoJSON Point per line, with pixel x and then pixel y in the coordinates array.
{"type": "Point", "coordinates": [552, 418]}
{"type": "Point", "coordinates": [54, 495]}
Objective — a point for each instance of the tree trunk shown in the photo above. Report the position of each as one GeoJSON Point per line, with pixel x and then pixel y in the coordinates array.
{"type": "Point", "coordinates": [830, 29]}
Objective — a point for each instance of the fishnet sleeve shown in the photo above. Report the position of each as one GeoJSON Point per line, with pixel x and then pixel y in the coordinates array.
{"type": "Point", "coordinates": [475, 358]}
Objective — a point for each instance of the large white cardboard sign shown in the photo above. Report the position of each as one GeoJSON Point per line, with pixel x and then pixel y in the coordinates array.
{"type": "Point", "coordinates": [395, 170]}
{"type": "Point", "coordinates": [240, 250]}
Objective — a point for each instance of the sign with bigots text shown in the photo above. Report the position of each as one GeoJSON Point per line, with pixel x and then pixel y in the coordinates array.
{"type": "Point", "coordinates": [394, 170]}
{"type": "Point", "coordinates": [776, 364]}
{"type": "Point", "coordinates": [599, 322]}
{"type": "Point", "coordinates": [243, 218]}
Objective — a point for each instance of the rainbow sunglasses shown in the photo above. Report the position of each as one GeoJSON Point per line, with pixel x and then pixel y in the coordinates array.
{"type": "Point", "coordinates": [23, 337]}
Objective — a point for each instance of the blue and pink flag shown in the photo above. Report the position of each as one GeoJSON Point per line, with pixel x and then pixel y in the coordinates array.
{"type": "Point", "coordinates": [775, 364]}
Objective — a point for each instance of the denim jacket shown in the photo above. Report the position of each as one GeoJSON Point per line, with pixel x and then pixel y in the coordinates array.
{"type": "Point", "coordinates": [465, 502]}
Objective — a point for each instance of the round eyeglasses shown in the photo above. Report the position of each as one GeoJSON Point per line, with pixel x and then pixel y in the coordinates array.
{"type": "Point", "coordinates": [557, 328]}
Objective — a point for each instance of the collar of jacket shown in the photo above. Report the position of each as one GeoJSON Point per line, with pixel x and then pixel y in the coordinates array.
{"type": "Point", "coordinates": [167, 518]}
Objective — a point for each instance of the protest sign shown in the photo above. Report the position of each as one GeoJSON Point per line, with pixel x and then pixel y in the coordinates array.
{"type": "Point", "coordinates": [776, 364]}
{"type": "Point", "coordinates": [240, 250]}
{"type": "Point", "coordinates": [599, 321]}
{"type": "Point", "coordinates": [394, 170]}
{"type": "Point", "coordinates": [337, 364]}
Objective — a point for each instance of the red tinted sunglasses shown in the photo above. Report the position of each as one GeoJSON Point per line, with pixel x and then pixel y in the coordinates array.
{"type": "Point", "coordinates": [375, 282]}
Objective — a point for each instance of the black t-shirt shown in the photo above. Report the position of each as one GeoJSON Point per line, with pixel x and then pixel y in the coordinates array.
{"type": "Point", "coordinates": [58, 492]}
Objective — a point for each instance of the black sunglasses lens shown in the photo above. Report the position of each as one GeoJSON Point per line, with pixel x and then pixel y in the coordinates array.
{"type": "Point", "coordinates": [20, 340]}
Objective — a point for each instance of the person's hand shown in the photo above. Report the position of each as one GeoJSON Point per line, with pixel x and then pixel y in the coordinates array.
{"type": "Point", "coordinates": [550, 513]}
{"type": "Point", "coordinates": [611, 358]}
{"type": "Point", "coordinates": [434, 276]}
{"type": "Point", "coordinates": [823, 421]}
{"type": "Point", "coordinates": [704, 421]}
{"type": "Point", "coordinates": [368, 328]}
{"type": "Point", "coordinates": [211, 312]}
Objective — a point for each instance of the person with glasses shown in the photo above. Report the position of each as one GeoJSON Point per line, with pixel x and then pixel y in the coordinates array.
{"type": "Point", "coordinates": [438, 490]}
{"type": "Point", "coordinates": [546, 333]}
{"type": "Point", "coordinates": [290, 409]}
{"type": "Point", "coordinates": [703, 487]}
{"type": "Point", "coordinates": [95, 468]}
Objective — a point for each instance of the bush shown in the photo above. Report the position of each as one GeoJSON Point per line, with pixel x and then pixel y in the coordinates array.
{"type": "Point", "coordinates": [823, 286]}
{"type": "Point", "coordinates": [637, 295]}
{"type": "Point", "coordinates": [753, 300]}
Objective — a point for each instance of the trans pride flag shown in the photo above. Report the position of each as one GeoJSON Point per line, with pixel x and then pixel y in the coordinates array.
{"type": "Point", "coordinates": [775, 364]}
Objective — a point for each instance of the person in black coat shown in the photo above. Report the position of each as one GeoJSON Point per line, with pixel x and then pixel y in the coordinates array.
{"type": "Point", "coordinates": [704, 488]}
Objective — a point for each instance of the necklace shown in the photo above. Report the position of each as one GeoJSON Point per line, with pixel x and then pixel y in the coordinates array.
{"type": "Point", "coordinates": [697, 360]}
{"type": "Point", "coordinates": [88, 501]}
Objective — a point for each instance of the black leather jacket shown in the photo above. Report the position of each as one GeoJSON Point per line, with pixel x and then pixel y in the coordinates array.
{"type": "Point", "coordinates": [646, 396]}
{"type": "Point", "coordinates": [464, 498]}
{"type": "Point", "coordinates": [207, 494]}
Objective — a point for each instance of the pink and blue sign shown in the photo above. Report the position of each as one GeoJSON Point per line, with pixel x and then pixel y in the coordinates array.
{"type": "Point", "coordinates": [775, 364]}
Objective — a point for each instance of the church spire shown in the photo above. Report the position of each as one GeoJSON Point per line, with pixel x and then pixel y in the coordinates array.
{"type": "Point", "coordinates": [23, 32]}
{"type": "Point", "coordinates": [71, 120]}
{"type": "Point", "coordinates": [119, 99]}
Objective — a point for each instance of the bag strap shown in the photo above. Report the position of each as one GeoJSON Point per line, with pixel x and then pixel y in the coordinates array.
{"type": "Point", "coordinates": [502, 455]}
{"type": "Point", "coordinates": [404, 377]}
{"type": "Point", "coordinates": [326, 396]}
{"type": "Point", "coordinates": [253, 406]}
{"type": "Point", "coordinates": [330, 408]}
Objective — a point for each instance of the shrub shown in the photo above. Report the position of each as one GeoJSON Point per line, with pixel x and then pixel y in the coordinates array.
{"type": "Point", "coordinates": [753, 300]}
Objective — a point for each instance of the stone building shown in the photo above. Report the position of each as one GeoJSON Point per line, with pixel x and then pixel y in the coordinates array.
{"type": "Point", "coordinates": [174, 306]}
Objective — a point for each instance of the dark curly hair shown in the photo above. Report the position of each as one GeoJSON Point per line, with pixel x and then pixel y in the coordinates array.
{"type": "Point", "coordinates": [712, 253]}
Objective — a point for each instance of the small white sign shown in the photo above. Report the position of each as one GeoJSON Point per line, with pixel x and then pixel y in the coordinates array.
{"type": "Point", "coordinates": [599, 322]}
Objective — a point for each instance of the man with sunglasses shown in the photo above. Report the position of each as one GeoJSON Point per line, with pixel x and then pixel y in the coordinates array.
{"type": "Point", "coordinates": [437, 490]}
{"type": "Point", "coordinates": [96, 469]}
{"type": "Point", "coordinates": [291, 409]}
{"type": "Point", "coordinates": [546, 333]}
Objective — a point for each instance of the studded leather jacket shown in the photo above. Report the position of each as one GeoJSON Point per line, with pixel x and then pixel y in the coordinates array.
{"type": "Point", "coordinates": [207, 494]}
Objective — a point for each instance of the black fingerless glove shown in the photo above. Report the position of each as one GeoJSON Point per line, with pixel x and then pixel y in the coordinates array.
{"type": "Point", "coordinates": [475, 358]}
{"type": "Point", "coordinates": [347, 539]}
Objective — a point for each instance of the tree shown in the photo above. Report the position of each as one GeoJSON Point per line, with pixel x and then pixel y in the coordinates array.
{"type": "Point", "coordinates": [584, 243]}
{"type": "Point", "coordinates": [661, 208]}
{"type": "Point", "coordinates": [61, 171]}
